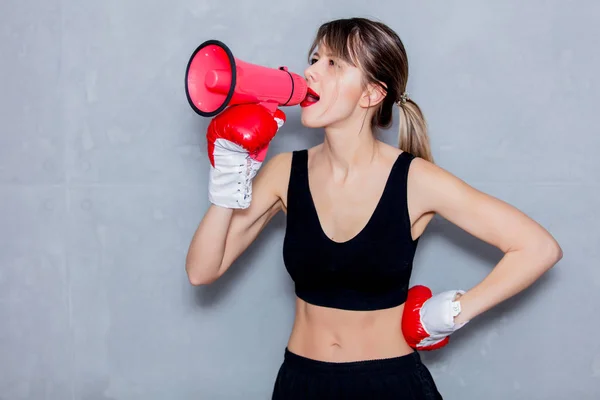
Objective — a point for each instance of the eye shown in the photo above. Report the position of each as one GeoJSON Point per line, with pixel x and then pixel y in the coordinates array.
{"type": "Point", "coordinates": [332, 63]}
{"type": "Point", "coordinates": [312, 61]}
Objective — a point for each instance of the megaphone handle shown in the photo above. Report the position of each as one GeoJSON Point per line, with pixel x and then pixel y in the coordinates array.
{"type": "Point", "coordinates": [270, 105]}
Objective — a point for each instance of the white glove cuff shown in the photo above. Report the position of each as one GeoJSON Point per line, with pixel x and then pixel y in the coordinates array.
{"type": "Point", "coordinates": [230, 180]}
{"type": "Point", "coordinates": [438, 312]}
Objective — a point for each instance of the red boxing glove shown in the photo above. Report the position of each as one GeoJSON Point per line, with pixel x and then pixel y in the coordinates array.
{"type": "Point", "coordinates": [427, 320]}
{"type": "Point", "coordinates": [238, 140]}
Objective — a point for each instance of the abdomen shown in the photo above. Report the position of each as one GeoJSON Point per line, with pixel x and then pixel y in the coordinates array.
{"type": "Point", "coordinates": [336, 335]}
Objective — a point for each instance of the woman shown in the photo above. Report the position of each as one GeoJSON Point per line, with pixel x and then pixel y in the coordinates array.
{"type": "Point", "coordinates": [356, 208]}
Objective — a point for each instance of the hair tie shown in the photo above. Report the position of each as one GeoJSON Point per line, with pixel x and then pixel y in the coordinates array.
{"type": "Point", "coordinates": [403, 99]}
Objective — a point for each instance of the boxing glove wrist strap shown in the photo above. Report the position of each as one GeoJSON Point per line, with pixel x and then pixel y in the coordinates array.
{"type": "Point", "coordinates": [230, 180]}
{"type": "Point", "coordinates": [437, 314]}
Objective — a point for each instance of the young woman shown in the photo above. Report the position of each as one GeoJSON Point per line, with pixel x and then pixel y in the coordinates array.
{"type": "Point", "coordinates": [356, 208]}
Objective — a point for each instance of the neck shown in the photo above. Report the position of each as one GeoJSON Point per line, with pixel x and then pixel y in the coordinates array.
{"type": "Point", "coordinates": [347, 148]}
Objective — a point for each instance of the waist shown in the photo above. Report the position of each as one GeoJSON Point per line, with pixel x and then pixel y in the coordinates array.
{"type": "Point", "coordinates": [334, 335]}
{"type": "Point", "coordinates": [397, 365]}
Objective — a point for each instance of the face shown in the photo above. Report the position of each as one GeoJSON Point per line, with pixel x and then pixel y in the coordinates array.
{"type": "Point", "coordinates": [335, 91]}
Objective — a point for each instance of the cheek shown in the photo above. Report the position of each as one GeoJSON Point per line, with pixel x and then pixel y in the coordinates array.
{"type": "Point", "coordinates": [349, 90]}
{"type": "Point", "coordinates": [342, 94]}
{"type": "Point", "coordinates": [350, 96]}
{"type": "Point", "coordinates": [339, 98]}
{"type": "Point", "coordinates": [344, 102]}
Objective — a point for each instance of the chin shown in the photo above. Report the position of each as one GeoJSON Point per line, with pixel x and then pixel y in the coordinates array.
{"type": "Point", "coordinates": [317, 118]}
{"type": "Point", "coordinates": [308, 121]}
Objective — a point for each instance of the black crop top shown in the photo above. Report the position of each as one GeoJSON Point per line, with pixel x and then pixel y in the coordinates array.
{"type": "Point", "coordinates": [368, 272]}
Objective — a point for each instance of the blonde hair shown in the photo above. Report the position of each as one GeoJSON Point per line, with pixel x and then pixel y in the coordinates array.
{"type": "Point", "coordinates": [378, 51]}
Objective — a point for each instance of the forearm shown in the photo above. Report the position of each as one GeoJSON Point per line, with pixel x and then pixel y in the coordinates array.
{"type": "Point", "coordinates": [207, 247]}
{"type": "Point", "coordinates": [516, 271]}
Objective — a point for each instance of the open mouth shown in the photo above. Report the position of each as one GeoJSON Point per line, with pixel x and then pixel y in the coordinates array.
{"type": "Point", "coordinates": [311, 98]}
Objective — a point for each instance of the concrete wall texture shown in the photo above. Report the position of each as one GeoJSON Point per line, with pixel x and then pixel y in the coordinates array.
{"type": "Point", "coordinates": [103, 180]}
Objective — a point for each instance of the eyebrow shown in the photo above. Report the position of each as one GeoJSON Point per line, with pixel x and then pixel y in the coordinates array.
{"type": "Point", "coordinates": [327, 54]}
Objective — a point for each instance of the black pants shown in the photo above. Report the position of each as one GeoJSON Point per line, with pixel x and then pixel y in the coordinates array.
{"type": "Point", "coordinates": [404, 377]}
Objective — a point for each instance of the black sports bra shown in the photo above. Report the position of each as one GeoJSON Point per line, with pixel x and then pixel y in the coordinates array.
{"type": "Point", "coordinates": [368, 272]}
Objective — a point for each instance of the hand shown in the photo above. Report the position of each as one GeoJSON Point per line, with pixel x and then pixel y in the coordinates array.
{"type": "Point", "coordinates": [428, 321]}
{"type": "Point", "coordinates": [238, 140]}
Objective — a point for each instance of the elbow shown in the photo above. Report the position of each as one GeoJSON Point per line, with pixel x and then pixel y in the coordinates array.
{"type": "Point", "coordinates": [197, 278]}
{"type": "Point", "coordinates": [551, 252]}
{"type": "Point", "coordinates": [556, 253]}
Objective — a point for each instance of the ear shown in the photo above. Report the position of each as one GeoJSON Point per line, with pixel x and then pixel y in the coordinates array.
{"type": "Point", "coordinates": [373, 95]}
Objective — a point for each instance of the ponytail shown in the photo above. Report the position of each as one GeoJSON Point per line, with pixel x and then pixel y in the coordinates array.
{"type": "Point", "coordinates": [413, 137]}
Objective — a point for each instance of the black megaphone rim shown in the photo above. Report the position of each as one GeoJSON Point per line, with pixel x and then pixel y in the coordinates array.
{"type": "Point", "coordinates": [233, 78]}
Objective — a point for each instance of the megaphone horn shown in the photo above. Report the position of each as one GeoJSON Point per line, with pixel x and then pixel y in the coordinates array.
{"type": "Point", "coordinates": [215, 79]}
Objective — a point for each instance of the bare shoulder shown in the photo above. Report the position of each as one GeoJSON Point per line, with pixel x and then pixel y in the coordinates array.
{"type": "Point", "coordinates": [434, 189]}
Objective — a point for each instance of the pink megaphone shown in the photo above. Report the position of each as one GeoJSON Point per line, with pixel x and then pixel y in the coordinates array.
{"type": "Point", "coordinates": [214, 79]}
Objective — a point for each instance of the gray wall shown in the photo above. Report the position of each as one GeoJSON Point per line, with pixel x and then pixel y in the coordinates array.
{"type": "Point", "coordinates": [103, 179]}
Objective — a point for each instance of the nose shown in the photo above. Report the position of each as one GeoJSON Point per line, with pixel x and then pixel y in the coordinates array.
{"type": "Point", "coordinates": [310, 73]}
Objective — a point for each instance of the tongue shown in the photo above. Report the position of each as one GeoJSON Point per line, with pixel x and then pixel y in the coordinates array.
{"type": "Point", "coordinates": [311, 96]}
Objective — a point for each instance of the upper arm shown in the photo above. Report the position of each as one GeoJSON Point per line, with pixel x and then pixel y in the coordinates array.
{"type": "Point", "coordinates": [269, 187]}
{"type": "Point", "coordinates": [433, 189]}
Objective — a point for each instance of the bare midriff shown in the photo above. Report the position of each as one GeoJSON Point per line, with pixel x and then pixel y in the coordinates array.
{"type": "Point", "coordinates": [335, 335]}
